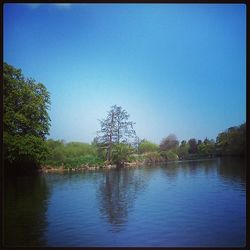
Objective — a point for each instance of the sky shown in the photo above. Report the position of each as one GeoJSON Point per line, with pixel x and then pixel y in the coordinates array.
{"type": "Point", "coordinates": [175, 68]}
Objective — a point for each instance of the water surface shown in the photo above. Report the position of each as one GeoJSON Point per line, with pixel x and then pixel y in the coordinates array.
{"type": "Point", "coordinates": [196, 203]}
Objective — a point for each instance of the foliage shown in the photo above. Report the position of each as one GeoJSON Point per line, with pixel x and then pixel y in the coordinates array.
{"type": "Point", "coordinates": [115, 129]}
{"type": "Point", "coordinates": [84, 160]}
{"type": "Point", "coordinates": [25, 104]}
{"type": "Point", "coordinates": [207, 147]}
{"type": "Point", "coordinates": [169, 155]}
{"type": "Point", "coordinates": [24, 149]}
{"type": "Point", "coordinates": [192, 146]}
{"type": "Point", "coordinates": [71, 154]}
{"type": "Point", "coordinates": [232, 141]}
{"type": "Point", "coordinates": [121, 153]}
{"type": "Point", "coordinates": [183, 150]}
{"type": "Point", "coordinates": [153, 157]}
{"type": "Point", "coordinates": [170, 142]}
{"type": "Point", "coordinates": [135, 144]}
{"type": "Point", "coordinates": [77, 154]}
{"type": "Point", "coordinates": [137, 157]}
{"type": "Point", "coordinates": [26, 124]}
{"type": "Point", "coordinates": [25, 118]}
{"type": "Point", "coordinates": [147, 146]}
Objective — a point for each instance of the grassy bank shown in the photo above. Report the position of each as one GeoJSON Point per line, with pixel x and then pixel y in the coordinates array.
{"type": "Point", "coordinates": [75, 156]}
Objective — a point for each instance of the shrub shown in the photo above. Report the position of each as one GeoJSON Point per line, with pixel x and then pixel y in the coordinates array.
{"type": "Point", "coordinates": [73, 154]}
{"type": "Point", "coordinates": [121, 153]}
{"type": "Point", "coordinates": [169, 155]}
{"type": "Point", "coordinates": [153, 157]}
{"type": "Point", "coordinates": [147, 146]}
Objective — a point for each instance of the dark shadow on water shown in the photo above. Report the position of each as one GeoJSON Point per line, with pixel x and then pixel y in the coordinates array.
{"type": "Point", "coordinates": [26, 198]}
{"type": "Point", "coordinates": [25, 206]}
{"type": "Point", "coordinates": [23, 168]}
{"type": "Point", "coordinates": [233, 169]}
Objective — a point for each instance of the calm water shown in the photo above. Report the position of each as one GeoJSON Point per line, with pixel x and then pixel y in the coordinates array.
{"type": "Point", "coordinates": [199, 203]}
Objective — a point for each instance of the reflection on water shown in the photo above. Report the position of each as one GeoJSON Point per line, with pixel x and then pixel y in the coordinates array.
{"type": "Point", "coordinates": [233, 170]}
{"type": "Point", "coordinates": [189, 203]}
{"type": "Point", "coordinates": [25, 205]}
{"type": "Point", "coordinates": [117, 193]}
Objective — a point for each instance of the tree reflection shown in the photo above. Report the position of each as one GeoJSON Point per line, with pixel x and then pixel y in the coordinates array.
{"type": "Point", "coordinates": [233, 169]}
{"type": "Point", "coordinates": [25, 205]}
{"type": "Point", "coordinates": [117, 193]}
{"type": "Point", "coordinates": [171, 170]}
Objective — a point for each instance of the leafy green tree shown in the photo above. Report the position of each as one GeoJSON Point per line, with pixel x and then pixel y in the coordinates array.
{"type": "Point", "coordinates": [147, 146]}
{"type": "Point", "coordinates": [207, 147]}
{"type": "Point", "coordinates": [25, 118]}
{"type": "Point", "coordinates": [56, 152]}
{"type": "Point", "coordinates": [183, 150]}
{"type": "Point", "coordinates": [232, 141]}
{"type": "Point", "coordinates": [23, 149]}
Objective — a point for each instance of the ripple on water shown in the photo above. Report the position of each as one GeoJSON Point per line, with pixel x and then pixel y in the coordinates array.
{"type": "Point", "coordinates": [183, 204]}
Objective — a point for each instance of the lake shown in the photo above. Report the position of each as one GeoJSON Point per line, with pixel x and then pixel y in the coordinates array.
{"type": "Point", "coordinates": [179, 204]}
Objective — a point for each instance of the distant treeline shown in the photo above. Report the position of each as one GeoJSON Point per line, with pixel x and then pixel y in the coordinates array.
{"type": "Point", "coordinates": [230, 142]}
{"type": "Point", "coordinates": [26, 125]}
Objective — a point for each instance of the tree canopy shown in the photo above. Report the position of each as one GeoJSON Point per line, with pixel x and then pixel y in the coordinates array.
{"type": "Point", "coordinates": [170, 142]}
{"type": "Point", "coordinates": [192, 146]}
{"type": "Point", "coordinates": [26, 120]}
{"type": "Point", "coordinates": [115, 129]}
{"type": "Point", "coordinates": [232, 141]}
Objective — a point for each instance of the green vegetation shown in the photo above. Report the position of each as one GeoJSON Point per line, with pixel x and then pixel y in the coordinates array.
{"type": "Point", "coordinates": [25, 119]}
{"type": "Point", "coordinates": [232, 141]}
{"type": "Point", "coordinates": [169, 155]}
{"type": "Point", "coordinates": [113, 139]}
{"type": "Point", "coordinates": [207, 147]}
{"type": "Point", "coordinates": [183, 150]}
{"type": "Point", "coordinates": [73, 154]}
{"type": "Point", "coordinates": [147, 146]}
{"type": "Point", "coordinates": [26, 124]}
{"type": "Point", "coordinates": [121, 153]}
{"type": "Point", "coordinates": [153, 157]}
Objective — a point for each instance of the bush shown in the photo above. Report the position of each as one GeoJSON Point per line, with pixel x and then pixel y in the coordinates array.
{"type": "Point", "coordinates": [147, 146]}
{"type": "Point", "coordinates": [153, 157]}
{"type": "Point", "coordinates": [82, 161]}
{"type": "Point", "coordinates": [121, 153]}
{"type": "Point", "coordinates": [24, 148]}
{"type": "Point", "coordinates": [73, 154]}
{"type": "Point", "coordinates": [169, 155]}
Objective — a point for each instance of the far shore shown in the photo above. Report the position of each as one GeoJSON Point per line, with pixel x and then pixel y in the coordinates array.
{"type": "Point", "coordinates": [135, 164]}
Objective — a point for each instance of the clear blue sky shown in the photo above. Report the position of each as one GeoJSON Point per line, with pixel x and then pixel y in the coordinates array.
{"type": "Point", "coordinates": [175, 68]}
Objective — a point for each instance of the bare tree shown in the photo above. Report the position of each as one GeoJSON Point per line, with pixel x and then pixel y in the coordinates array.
{"type": "Point", "coordinates": [115, 129]}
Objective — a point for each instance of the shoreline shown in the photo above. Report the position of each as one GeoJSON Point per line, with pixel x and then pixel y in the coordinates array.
{"type": "Point", "coordinates": [136, 164]}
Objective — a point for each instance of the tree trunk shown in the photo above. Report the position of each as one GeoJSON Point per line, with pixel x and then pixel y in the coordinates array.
{"type": "Point", "coordinates": [110, 138]}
